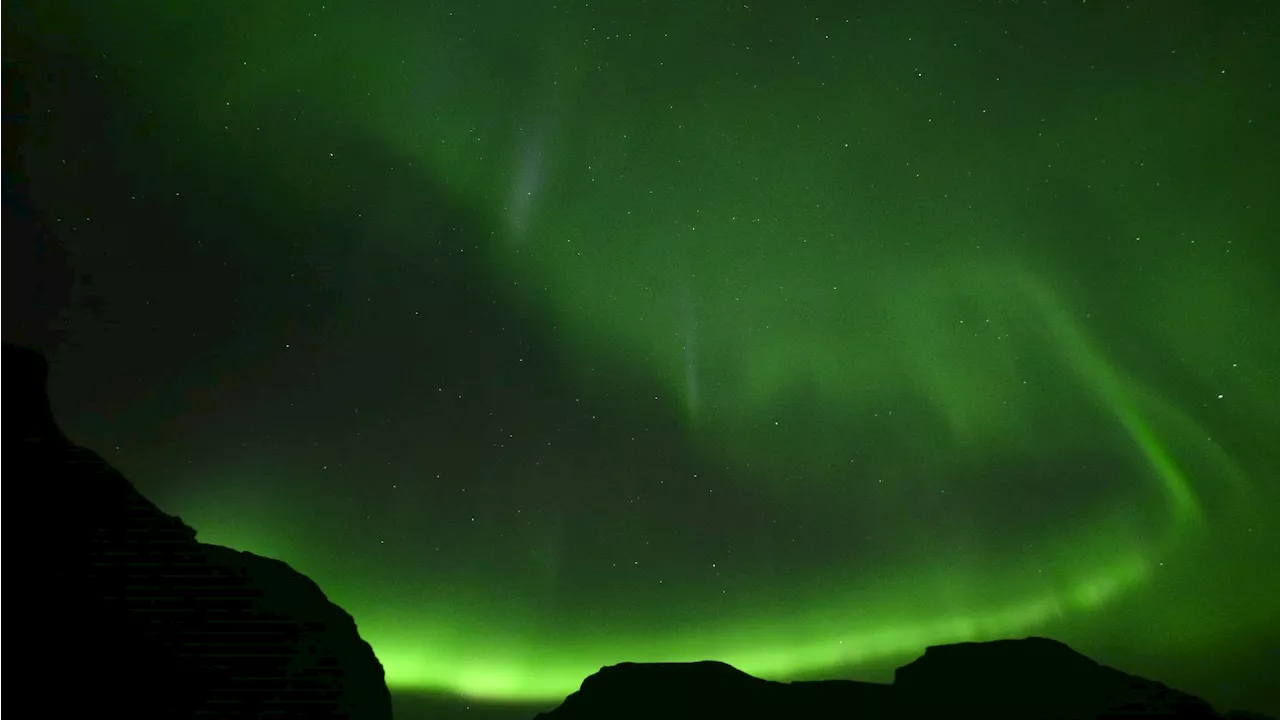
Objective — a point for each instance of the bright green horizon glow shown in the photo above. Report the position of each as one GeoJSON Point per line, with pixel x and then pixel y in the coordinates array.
{"type": "Point", "coordinates": [513, 674]}
{"type": "Point", "coordinates": [538, 680]}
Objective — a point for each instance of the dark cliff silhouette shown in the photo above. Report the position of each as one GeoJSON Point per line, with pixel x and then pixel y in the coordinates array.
{"type": "Point", "coordinates": [1031, 679]}
{"type": "Point", "coordinates": [124, 614]}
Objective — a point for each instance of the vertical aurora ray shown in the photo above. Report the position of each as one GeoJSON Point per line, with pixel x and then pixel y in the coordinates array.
{"type": "Point", "coordinates": [688, 309]}
{"type": "Point", "coordinates": [527, 185]}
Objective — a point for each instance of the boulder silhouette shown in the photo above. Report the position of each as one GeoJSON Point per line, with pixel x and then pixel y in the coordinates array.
{"type": "Point", "coordinates": [1029, 679]}
{"type": "Point", "coordinates": [125, 614]}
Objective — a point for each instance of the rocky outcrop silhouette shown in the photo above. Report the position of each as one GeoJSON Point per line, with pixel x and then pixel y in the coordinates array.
{"type": "Point", "coordinates": [1030, 679]}
{"type": "Point", "coordinates": [115, 610]}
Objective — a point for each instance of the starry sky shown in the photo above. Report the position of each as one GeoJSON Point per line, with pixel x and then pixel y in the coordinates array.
{"type": "Point", "coordinates": [797, 335]}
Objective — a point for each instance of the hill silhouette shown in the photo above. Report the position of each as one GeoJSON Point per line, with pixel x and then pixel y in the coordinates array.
{"type": "Point", "coordinates": [1030, 679]}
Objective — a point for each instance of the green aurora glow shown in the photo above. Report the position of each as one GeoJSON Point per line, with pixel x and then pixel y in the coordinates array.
{"type": "Point", "coordinates": [866, 258]}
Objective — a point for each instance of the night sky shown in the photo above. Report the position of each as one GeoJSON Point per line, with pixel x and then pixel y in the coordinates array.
{"type": "Point", "coordinates": [798, 335]}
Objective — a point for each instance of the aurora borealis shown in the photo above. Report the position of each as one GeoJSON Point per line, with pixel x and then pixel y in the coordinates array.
{"type": "Point", "coordinates": [800, 336]}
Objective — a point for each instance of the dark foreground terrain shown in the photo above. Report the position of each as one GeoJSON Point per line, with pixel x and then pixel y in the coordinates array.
{"type": "Point", "coordinates": [1030, 679]}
